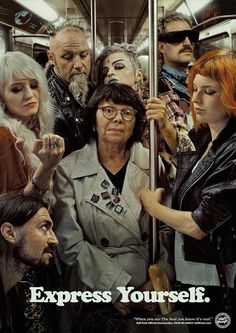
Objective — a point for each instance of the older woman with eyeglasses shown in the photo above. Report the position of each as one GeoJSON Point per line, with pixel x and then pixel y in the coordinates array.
{"type": "Point", "coordinates": [100, 224]}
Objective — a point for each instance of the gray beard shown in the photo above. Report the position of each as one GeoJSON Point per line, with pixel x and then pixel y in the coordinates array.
{"type": "Point", "coordinates": [79, 88]}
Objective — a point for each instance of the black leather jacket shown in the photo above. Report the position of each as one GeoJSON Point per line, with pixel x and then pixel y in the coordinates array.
{"type": "Point", "coordinates": [68, 113]}
{"type": "Point", "coordinates": [19, 315]}
{"type": "Point", "coordinates": [209, 193]}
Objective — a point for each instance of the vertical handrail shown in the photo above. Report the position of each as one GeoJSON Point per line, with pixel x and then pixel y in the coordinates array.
{"type": "Point", "coordinates": [93, 6]}
{"type": "Point", "coordinates": [154, 245]}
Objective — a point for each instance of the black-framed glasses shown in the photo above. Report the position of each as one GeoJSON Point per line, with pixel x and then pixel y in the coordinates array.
{"type": "Point", "coordinates": [174, 37]}
{"type": "Point", "coordinates": [110, 112]}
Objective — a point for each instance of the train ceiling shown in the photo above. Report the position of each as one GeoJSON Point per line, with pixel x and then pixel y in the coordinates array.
{"type": "Point", "coordinates": [117, 20]}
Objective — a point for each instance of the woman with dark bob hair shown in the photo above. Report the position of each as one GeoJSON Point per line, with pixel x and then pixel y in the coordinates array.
{"type": "Point", "coordinates": [102, 229]}
{"type": "Point", "coordinates": [119, 94]}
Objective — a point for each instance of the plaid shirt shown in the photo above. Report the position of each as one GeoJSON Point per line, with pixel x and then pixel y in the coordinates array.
{"type": "Point", "coordinates": [177, 116]}
{"type": "Point", "coordinates": [177, 111]}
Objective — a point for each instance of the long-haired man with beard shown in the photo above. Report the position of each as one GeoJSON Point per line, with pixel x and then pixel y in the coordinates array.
{"type": "Point", "coordinates": [27, 246]}
{"type": "Point", "coordinates": [68, 82]}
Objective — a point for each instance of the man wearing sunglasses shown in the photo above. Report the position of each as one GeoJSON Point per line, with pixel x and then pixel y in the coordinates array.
{"type": "Point", "coordinates": [176, 43]}
{"type": "Point", "coordinates": [176, 39]}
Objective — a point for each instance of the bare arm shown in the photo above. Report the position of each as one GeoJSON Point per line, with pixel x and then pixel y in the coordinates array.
{"type": "Point", "coordinates": [181, 221]}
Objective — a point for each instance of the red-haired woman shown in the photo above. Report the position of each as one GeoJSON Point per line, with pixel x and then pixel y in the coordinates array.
{"type": "Point", "coordinates": [204, 210]}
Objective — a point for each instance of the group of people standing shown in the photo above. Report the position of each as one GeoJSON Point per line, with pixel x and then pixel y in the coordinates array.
{"type": "Point", "coordinates": [82, 144]}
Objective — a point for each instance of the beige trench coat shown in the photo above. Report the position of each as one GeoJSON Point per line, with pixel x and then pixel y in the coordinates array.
{"type": "Point", "coordinates": [103, 247]}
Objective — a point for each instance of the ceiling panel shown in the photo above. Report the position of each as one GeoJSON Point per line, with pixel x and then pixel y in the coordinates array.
{"type": "Point", "coordinates": [117, 20]}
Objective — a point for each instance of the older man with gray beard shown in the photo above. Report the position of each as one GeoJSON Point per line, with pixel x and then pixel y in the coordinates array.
{"type": "Point", "coordinates": [68, 72]}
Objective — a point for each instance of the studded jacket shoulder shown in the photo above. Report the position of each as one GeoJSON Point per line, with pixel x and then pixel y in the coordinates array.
{"type": "Point", "coordinates": [68, 113]}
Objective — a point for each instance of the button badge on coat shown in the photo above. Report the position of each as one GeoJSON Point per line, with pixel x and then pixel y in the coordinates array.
{"type": "Point", "coordinates": [105, 195]}
{"type": "Point", "coordinates": [104, 184]}
{"type": "Point", "coordinates": [110, 205]}
{"type": "Point", "coordinates": [115, 191]}
{"type": "Point", "coordinates": [95, 198]}
{"type": "Point", "coordinates": [116, 200]}
{"type": "Point", "coordinates": [119, 209]}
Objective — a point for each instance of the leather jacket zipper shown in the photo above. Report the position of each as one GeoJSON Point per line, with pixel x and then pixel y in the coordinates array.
{"type": "Point", "coordinates": [218, 225]}
{"type": "Point", "coordinates": [181, 201]}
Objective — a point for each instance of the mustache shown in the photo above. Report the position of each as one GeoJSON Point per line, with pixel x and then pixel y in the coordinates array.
{"type": "Point", "coordinates": [186, 48]}
{"type": "Point", "coordinates": [50, 249]}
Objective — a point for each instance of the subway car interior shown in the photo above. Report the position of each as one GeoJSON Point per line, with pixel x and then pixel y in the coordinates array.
{"type": "Point", "coordinates": [25, 24]}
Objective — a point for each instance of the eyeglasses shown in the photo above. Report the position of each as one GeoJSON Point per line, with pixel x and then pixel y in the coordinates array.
{"type": "Point", "coordinates": [110, 112]}
{"type": "Point", "coordinates": [174, 37]}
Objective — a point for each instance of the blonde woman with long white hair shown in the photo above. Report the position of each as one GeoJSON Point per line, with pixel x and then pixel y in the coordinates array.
{"type": "Point", "coordinates": [29, 152]}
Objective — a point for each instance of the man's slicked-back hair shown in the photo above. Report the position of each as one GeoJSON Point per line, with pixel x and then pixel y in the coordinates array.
{"type": "Point", "coordinates": [68, 25]}
{"type": "Point", "coordinates": [71, 24]}
{"type": "Point", "coordinates": [171, 17]}
{"type": "Point", "coordinates": [17, 208]}
{"type": "Point", "coordinates": [162, 23]}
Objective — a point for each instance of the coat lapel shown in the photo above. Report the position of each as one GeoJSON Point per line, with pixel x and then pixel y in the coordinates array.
{"type": "Point", "coordinates": [100, 193]}
{"type": "Point", "coordinates": [135, 180]}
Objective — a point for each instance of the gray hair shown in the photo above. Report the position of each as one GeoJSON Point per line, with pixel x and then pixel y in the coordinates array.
{"type": "Point", "coordinates": [71, 24]}
{"type": "Point", "coordinates": [77, 25]}
{"type": "Point", "coordinates": [129, 49]}
{"type": "Point", "coordinates": [20, 65]}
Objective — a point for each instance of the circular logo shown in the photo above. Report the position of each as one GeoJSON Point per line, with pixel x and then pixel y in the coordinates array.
{"type": "Point", "coordinates": [222, 320]}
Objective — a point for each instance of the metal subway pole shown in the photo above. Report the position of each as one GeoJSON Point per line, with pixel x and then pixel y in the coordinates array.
{"type": "Point", "coordinates": [93, 5]}
{"type": "Point", "coordinates": [156, 272]}
{"type": "Point", "coordinates": [154, 245]}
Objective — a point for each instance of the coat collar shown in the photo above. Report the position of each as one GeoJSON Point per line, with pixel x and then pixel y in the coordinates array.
{"type": "Point", "coordinates": [87, 161]}
{"type": "Point", "coordinates": [129, 207]}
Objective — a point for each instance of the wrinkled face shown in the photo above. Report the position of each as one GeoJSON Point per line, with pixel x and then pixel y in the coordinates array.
{"type": "Point", "coordinates": [21, 97]}
{"type": "Point", "coordinates": [207, 101]}
{"type": "Point", "coordinates": [177, 55]}
{"type": "Point", "coordinates": [70, 54]}
{"type": "Point", "coordinates": [116, 130]}
{"type": "Point", "coordinates": [117, 67]}
{"type": "Point", "coordinates": [35, 240]}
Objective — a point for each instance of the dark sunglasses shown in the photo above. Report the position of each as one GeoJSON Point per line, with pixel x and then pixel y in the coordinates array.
{"type": "Point", "coordinates": [173, 37]}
